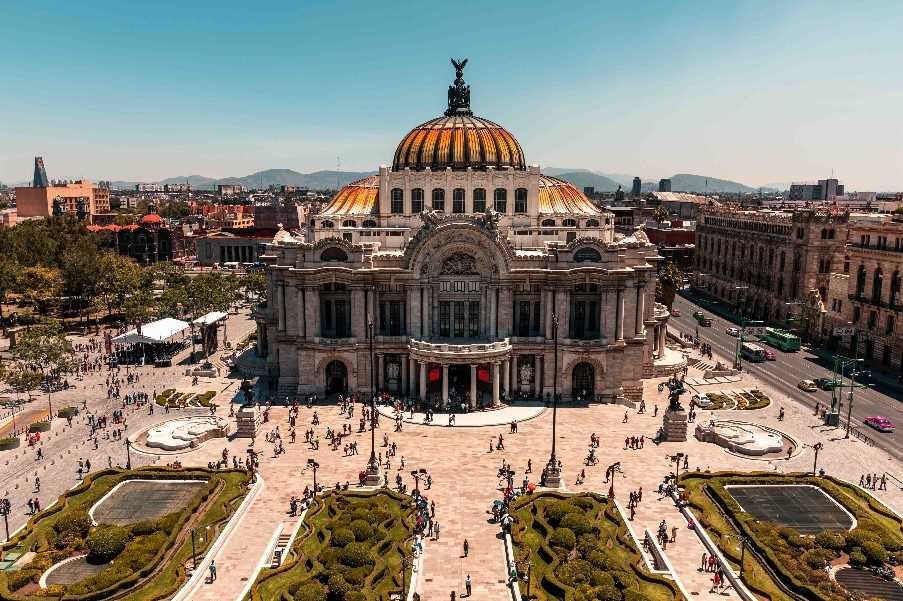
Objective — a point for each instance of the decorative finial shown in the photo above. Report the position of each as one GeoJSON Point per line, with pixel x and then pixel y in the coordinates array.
{"type": "Point", "coordinates": [458, 92]}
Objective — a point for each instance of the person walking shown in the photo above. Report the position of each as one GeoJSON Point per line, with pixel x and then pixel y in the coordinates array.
{"type": "Point", "coordinates": [466, 547]}
{"type": "Point", "coordinates": [212, 570]}
{"type": "Point", "coordinates": [468, 584]}
{"type": "Point", "coordinates": [452, 597]}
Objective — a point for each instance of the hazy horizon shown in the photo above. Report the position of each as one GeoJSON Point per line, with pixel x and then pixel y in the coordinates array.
{"type": "Point", "coordinates": [757, 93]}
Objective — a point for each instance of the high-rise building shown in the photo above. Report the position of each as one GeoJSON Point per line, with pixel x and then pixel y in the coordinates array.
{"type": "Point", "coordinates": [664, 185]}
{"type": "Point", "coordinates": [637, 188]}
{"type": "Point", "coordinates": [40, 175]}
{"type": "Point", "coordinates": [825, 190]}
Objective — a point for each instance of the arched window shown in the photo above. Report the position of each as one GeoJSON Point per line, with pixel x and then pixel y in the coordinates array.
{"type": "Point", "coordinates": [548, 223]}
{"type": "Point", "coordinates": [417, 201]}
{"type": "Point", "coordinates": [860, 281]}
{"type": "Point", "coordinates": [327, 224]}
{"type": "Point", "coordinates": [587, 254]}
{"type": "Point", "coordinates": [458, 200]}
{"type": "Point", "coordinates": [369, 223]}
{"type": "Point", "coordinates": [501, 200]}
{"type": "Point", "coordinates": [877, 284]}
{"type": "Point", "coordinates": [569, 223]}
{"type": "Point", "coordinates": [520, 200]}
{"type": "Point", "coordinates": [397, 201]}
{"type": "Point", "coordinates": [349, 223]}
{"type": "Point", "coordinates": [824, 233]}
{"type": "Point", "coordinates": [592, 223]}
{"type": "Point", "coordinates": [479, 200]}
{"type": "Point", "coordinates": [333, 253]}
{"type": "Point", "coordinates": [438, 199]}
{"type": "Point", "coordinates": [895, 288]}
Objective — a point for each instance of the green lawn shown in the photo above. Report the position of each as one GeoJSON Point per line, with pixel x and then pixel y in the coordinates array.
{"type": "Point", "coordinates": [796, 560]}
{"type": "Point", "coordinates": [350, 546]}
{"type": "Point", "coordinates": [156, 548]}
{"type": "Point", "coordinates": [578, 549]}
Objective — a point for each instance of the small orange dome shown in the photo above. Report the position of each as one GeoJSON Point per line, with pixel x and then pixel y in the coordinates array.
{"type": "Point", "coordinates": [151, 219]}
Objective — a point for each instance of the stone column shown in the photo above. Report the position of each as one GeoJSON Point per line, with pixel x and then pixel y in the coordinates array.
{"type": "Point", "coordinates": [403, 384]}
{"type": "Point", "coordinates": [302, 307]}
{"type": "Point", "coordinates": [412, 313]}
{"type": "Point", "coordinates": [422, 381]}
{"type": "Point", "coordinates": [493, 325]}
{"type": "Point", "coordinates": [640, 313]}
{"type": "Point", "coordinates": [380, 371]}
{"type": "Point", "coordinates": [515, 384]}
{"type": "Point", "coordinates": [506, 377]}
{"type": "Point", "coordinates": [473, 386]}
{"type": "Point", "coordinates": [358, 319]}
{"type": "Point", "coordinates": [425, 309]}
{"type": "Point", "coordinates": [563, 306]}
{"type": "Point", "coordinates": [619, 314]}
{"type": "Point", "coordinates": [412, 375]}
{"type": "Point", "coordinates": [445, 382]}
{"type": "Point", "coordinates": [603, 317]}
{"type": "Point", "coordinates": [505, 312]}
{"type": "Point", "coordinates": [280, 306]}
{"type": "Point", "coordinates": [662, 339]}
{"type": "Point", "coordinates": [540, 375]}
{"type": "Point", "coordinates": [495, 383]}
{"type": "Point", "coordinates": [547, 311]}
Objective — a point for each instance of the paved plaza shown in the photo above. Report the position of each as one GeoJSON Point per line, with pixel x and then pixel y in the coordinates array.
{"type": "Point", "coordinates": [463, 469]}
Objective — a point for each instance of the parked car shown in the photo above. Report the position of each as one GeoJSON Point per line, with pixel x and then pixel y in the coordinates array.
{"type": "Point", "coordinates": [880, 423]}
{"type": "Point", "coordinates": [807, 386]}
{"type": "Point", "coordinates": [675, 312]}
{"type": "Point", "coordinates": [705, 322]}
{"type": "Point", "coordinates": [826, 383]}
{"type": "Point", "coordinates": [770, 356]}
{"type": "Point", "coordinates": [702, 400]}
{"type": "Point", "coordinates": [732, 332]}
{"type": "Point", "coordinates": [698, 314]}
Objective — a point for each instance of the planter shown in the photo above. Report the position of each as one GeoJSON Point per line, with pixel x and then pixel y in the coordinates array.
{"type": "Point", "coordinates": [9, 443]}
{"type": "Point", "coordinates": [39, 427]}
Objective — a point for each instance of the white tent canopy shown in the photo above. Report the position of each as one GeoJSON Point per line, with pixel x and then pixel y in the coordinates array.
{"type": "Point", "coordinates": [153, 332]}
{"type": "Point", "coordinates": [210, 318]}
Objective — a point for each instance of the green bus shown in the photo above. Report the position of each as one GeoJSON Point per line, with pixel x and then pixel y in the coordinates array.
{"type": "Point", "coordinates": [752, 352]}
{"type": "Point", "coordinates": [781, 339]}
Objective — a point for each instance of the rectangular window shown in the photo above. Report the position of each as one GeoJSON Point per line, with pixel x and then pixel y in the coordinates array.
{"type": "Point", "coordinates": [473, 320]}
{"type": "Point", "coordinates": [327, 317]}
{"type": "Point", "coordinates": [459, 319]}
{"type": "Point", "coordinates": [417, 201]}
{"type": "Point", "coordinates": [479, 200]}
{"type": "Point", "coordinates": [579, 319]}
{"type": "Point", "coordinates": [460, 286]}
{"type": "Point", "coordinates": [889, 325]}
{"type": "Point", "coordinates": [397, 205]}
{"type": "Point", "coordinates": [537, 324]}
{"type": "Point", "coordinates": [520, 200]}
{"type": "Point", "coordinates": [473, 286]}
{"type": "Point", "coordinates": [383, 320]}
{"type": "Point", "coordinates": [523, 318]}
{"type": "Point", "coordinates": [444, 319]}
{"type": "Point", "coordinates": [458, 201]}
{"type": "Point", "coordinates": [341, 319]}
{"type": "Point", "coordinates": [873, 319]}
{"type": "Point", "coordinates": [885, 359]}
{"type": "Point", "coordinates": [592, 325]}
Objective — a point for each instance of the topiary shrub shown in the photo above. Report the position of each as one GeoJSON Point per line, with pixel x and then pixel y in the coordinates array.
{"type": "Point", "coordinates": [855, 537]}
{"type": "Point", "coordinates": [106, 542]}
{"type": "Point", "coordinates": [830, 540]}
{"type": "Point", "coordinates": [355, 555]}
{"type": "Point", "coordinates": [362, 530]}
{"type": "Point", "coordinates": [874, 552]}
{"type": "Point", "coordinates": [39, 427]}
{"type": "Point", "coordinates": [76, 523]}
{"type": "Point", "coordinates": [67, 412]}
{"type": "Point", "coordinates": [857, 558]}
{"type": "Point", "coordinates": [338, 588]}
{"type": "Point", "coordinates": [10, 442]}
{"type": "Point", "coordinates": [577, 523]}
{"type": "Point", "coordinates": [341, 537]}
{"type": "Point", "coordinates": [16, 580]}
{"type": "Point", "coordinates": [564, 538]}
{"type": "Point", "coordinates": [555, 512]}
{"type": "Point", "coordinates": [144, 528]}
{"type": "Point", "coordinates": [310, 592]}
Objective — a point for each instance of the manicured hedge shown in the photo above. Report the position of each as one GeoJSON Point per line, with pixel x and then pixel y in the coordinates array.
{"type": "Point", "coordinates": [10, 442]}
{"type": "Point", "coordinates": [39, 427]}
{"type": "Point", "coordinates": [66, 412]}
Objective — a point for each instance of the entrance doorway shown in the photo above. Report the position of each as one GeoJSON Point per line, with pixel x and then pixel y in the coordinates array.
{"type": "Point", "coordinates": [583, 382]}
{"type": "Point", "coordinates": [458, 381]}
{"type": "Point", "coordinates": [336, 378]}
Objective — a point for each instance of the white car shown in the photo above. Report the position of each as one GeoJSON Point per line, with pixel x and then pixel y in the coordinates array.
{"type": "Point", "coordinates": [701, 400]}
{"type": "Point", "coordinates": [732, 332]}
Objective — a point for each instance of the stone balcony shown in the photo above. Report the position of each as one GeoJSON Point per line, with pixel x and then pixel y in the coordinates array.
{"type": "Point", "coordinates": [460, 351]}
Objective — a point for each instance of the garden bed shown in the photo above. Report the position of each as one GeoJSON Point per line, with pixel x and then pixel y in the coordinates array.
{"type": "Point", "coordinates": [145, 557]}
{"type": "Point", "coordinates": [748, 400]}
{"type": "Point", "coordinates": [578, 547]}
{"type": "Point", "coordinates": [173, 399]}
{"type": "Point", "coordinates": [781, 558]}
{"type": "Point", "coordinates": [350, 546]}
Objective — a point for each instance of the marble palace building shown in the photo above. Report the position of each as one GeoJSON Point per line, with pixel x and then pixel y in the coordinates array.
{"type": "Point", "coordinates": [465, 264]}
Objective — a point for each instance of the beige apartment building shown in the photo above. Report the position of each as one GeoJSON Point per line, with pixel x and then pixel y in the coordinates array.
{"type": "Point", "coordinates": [79, 196]}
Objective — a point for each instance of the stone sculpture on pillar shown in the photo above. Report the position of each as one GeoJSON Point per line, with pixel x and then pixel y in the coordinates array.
{"type": "Point", "coordinates": [674, 427]}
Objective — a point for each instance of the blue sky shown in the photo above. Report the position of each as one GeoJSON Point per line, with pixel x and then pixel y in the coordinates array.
{"type": "Point", "coordinates": [757, 92]}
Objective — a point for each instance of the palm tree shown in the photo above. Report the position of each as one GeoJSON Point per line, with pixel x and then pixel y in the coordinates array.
{"type": "Point", "coordinates": [670, 279]}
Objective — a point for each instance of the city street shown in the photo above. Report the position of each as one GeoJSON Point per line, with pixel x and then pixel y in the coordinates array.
{"type": "Point", "coordinates": [785, 373]}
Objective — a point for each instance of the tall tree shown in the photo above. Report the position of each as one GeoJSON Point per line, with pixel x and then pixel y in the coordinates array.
{"type": "Point", "coordinates": [119, 278]}
{"type": "Point", "coordinates": [9, 278]}
{"type": "Point", "coordinates": [40, 287]}
{"type": "Point", "coordinates": [45, 348]}
{"type": "Point", "coordinates": [670, 279]}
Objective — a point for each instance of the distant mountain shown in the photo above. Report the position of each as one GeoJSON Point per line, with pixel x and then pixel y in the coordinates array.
{"type": "Point", "coordinates": [318, 180]}
{"type": "Point", "coordinates": [624, 179]}
{"type": "Point", "coordinates": [685, 182]}
{"type": "Point", "coordinates": [581, 179]}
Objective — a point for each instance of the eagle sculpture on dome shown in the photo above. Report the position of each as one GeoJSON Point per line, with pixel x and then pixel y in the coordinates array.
{"type": "Point", "coordinates": [458, 92]}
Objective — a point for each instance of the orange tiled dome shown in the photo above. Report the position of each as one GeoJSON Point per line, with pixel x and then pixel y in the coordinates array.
{"type": "Point", "coordinates": [557, 197]}
{"type": "Point", "coordinates": [458, 141]}
{"type": "Point", "coordinates": [151, 219]}
{"type": "Point", "coordinates": [357, 198]}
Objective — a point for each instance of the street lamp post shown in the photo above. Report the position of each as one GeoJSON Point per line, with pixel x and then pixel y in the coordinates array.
{"type": "Point", "coordinates": [313, 465]}
{"type": "Point", "coordinates": [742, 553]}
{"type": "Point", "coordinates": [552, 477]}
{"type": "Point", "coordinates": [372, 478]}
{"type": "Point", "coordinates": [5, 509]}
{"type": "Point", "coordinates": [816, 447]}
{"type": "Point", "coordinates": [128, 453]}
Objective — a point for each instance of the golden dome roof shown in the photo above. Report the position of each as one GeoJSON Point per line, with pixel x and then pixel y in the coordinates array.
{"type": "Point", "coordinates": [357, 198]}
{"type": "Point", "coordinates": [558, 197]}
{"type": "Point", "coordinates": [458, 141]}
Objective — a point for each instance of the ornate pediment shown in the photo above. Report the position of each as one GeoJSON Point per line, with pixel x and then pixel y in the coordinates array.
{"type": "Point", "coordinates": [459, 264]}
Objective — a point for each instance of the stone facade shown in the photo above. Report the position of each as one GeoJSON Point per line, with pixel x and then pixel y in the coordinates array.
{"type": "Point", "coordinates": [867, 297]}
{"type": "Point", "coordinates": [779, 257]}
